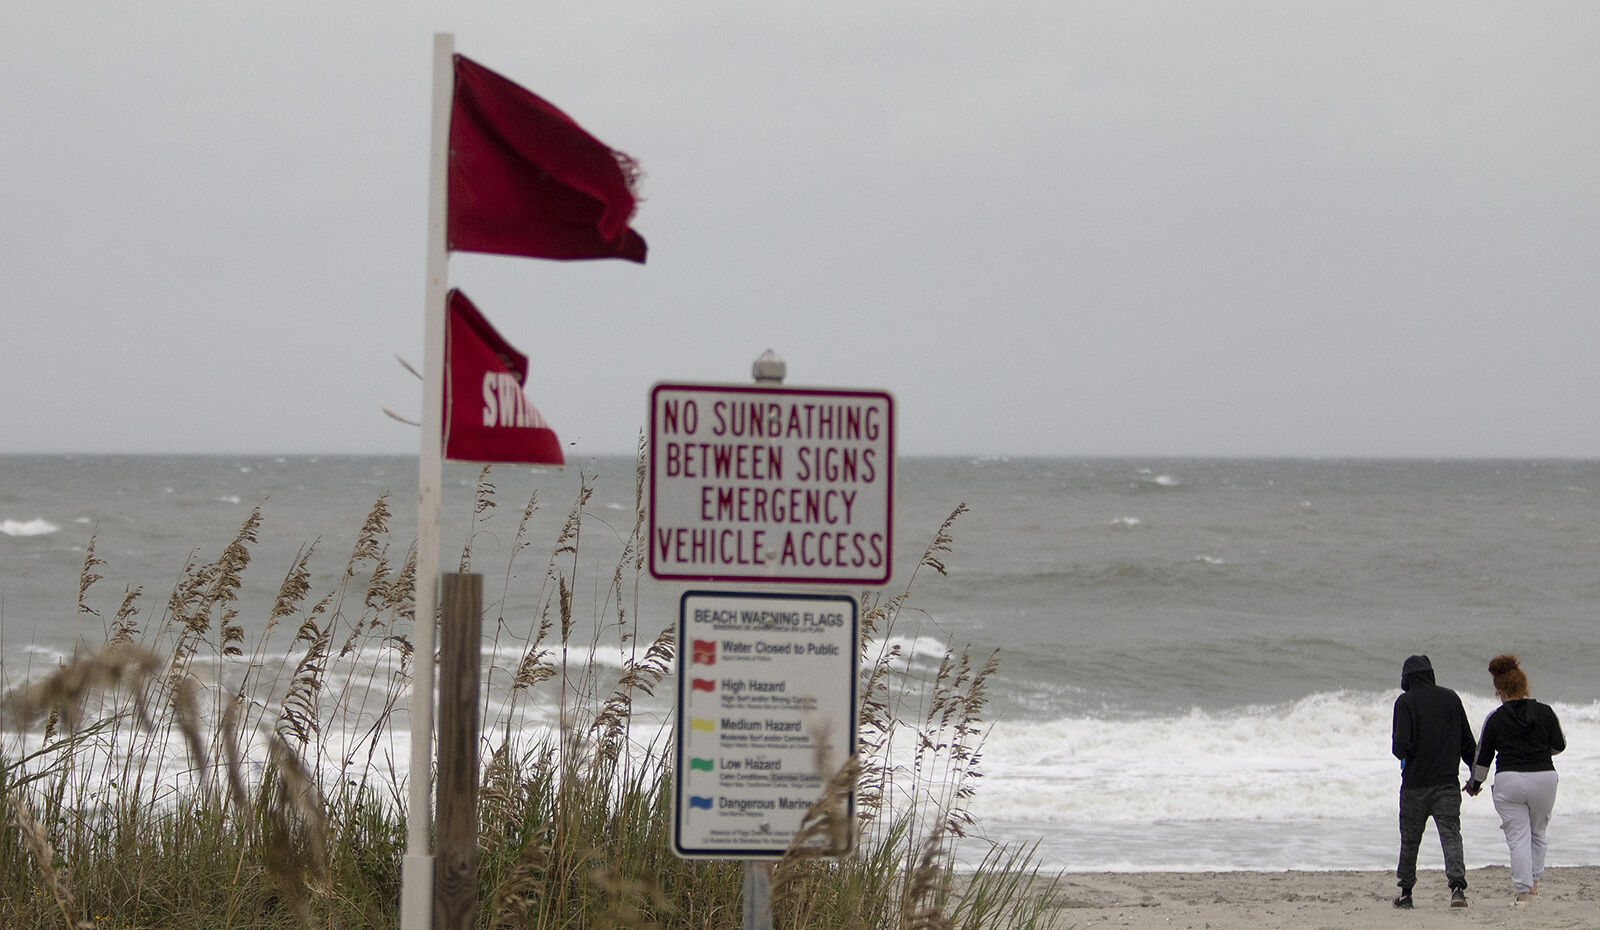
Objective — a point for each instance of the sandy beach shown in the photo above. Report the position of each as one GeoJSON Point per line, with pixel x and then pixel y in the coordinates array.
{"type": "Point", "coordinates": [1568, 897]}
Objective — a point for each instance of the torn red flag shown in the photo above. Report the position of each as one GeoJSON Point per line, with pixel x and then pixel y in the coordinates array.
{"type": "Point", "coordinates": [487, 417]}
{"type": "Point", "coordinates": [525, 179]}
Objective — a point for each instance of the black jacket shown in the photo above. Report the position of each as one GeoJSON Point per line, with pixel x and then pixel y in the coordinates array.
{"type": "Point", "coordinates": [1432, 737]}
{"type": "Point", "coordinates": [1524, 734]}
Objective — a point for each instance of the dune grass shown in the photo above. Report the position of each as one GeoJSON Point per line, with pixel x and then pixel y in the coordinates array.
{"type": "Point", "coordinates": [179, 776]}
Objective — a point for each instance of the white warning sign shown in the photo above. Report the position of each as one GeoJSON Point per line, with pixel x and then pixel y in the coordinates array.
{"type": "Point", "coordinates": [763, 483]}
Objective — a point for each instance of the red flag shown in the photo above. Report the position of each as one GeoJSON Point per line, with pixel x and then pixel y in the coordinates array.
{"type": "Point", "coordinates": [526, 180]}
{"type": "Point", "coordinates": [487, 418]}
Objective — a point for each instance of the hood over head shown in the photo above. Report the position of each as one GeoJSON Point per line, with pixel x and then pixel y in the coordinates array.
{"type": "Point", "coordinates": [1416, 668]}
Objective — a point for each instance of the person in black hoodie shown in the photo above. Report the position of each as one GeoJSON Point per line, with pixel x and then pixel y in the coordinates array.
{"type": "Point", "coordinates": [1432, 739]}
{"type": "Point", "coordinates": [1521, 736]}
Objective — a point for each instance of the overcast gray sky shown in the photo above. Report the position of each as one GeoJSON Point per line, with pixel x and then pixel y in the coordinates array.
{"type": "Point", "coordinates": [1210, 228]}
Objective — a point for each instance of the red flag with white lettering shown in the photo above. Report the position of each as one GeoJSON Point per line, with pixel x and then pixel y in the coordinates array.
{"type": "Point", "coordinates": [487, 417]}
{"type": "Point", "coordinates": [525, 179]}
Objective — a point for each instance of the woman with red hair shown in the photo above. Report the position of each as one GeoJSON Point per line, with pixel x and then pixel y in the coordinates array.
{"type": "Point", "coordinates": [1520, 736]}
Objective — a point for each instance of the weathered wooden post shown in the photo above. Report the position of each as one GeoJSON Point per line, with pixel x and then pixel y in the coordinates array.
{"type": "Point", "coordinates": [455, 881]}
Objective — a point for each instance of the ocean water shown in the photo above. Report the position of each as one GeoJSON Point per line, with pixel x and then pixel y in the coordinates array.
{"type": "Point", "coordinates": [1198, 658]}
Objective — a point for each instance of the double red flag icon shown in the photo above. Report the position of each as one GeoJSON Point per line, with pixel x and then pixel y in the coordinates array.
{"type": "Point", "coordinates": [487, 418]}
{"type": "Point", "coordinates": [525, 179]}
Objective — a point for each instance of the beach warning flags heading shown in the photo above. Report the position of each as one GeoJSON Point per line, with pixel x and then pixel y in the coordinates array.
{"type": "Point", "coordinates": [525, 179]}
{"type": "Point", "coordinates": [487, 417]}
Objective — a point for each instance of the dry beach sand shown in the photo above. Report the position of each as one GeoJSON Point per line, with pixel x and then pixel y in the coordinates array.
{"type": "Point", "coordinates": [1568, 897]}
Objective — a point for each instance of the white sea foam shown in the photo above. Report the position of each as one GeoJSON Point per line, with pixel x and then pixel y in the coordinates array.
{"type": "Point", "coordinates": [35, 527]}
{"type": "Point", "coordinates": [1147, 476]}
{"type": "Point", "coordinates": [916, 647]}
{"type": "Point", "coordinates": [1325, 757]}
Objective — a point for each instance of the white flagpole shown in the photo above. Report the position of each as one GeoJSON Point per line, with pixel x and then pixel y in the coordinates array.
{"type": "Point", "coordinates": [416, 877]}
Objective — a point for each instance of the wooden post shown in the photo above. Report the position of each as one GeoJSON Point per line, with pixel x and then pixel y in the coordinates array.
{"type": "Point", "coordinates": [455, 877]}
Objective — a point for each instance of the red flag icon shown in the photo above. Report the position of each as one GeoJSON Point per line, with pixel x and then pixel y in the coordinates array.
{"type": "Point", "coordinates": [705, 652]}
{"type": "Point", "coordinates": [487, 417]}
{"type": "Point", "coordinates": [703, 684]}
{"type": "Point", "coordinates": [525, 179]}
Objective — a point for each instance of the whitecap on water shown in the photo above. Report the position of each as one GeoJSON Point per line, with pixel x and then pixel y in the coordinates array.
{"type": "Point", "coordinates": [34, 527]}
{"type": "Point", "coordinates": [1146, 476]}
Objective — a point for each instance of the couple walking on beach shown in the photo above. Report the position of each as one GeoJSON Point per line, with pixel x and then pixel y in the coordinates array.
{"type": "Point", "coordinates": [1431, 738]}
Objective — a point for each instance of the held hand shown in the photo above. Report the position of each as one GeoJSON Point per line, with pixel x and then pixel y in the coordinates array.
{"type": "Point", "coordinates": [1473, 787]}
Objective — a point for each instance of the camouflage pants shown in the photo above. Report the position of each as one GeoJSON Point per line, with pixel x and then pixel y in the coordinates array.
{"type": "Point", "coordinates": [1443, 804]}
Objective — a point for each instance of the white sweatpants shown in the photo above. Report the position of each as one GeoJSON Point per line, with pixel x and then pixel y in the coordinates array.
{"type": "Point", "coordinates": [1524, 801]}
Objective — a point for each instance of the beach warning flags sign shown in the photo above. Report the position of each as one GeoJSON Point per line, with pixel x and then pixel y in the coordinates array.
{"type": "Point", "coordinates": [525, 179]}
{"type": "Point", "coordinates": [487, 417]}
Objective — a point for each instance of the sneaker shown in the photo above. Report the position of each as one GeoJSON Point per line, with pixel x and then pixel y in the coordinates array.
{"type": "Point", "coordinates": [1404, 900]}
{"type": "Point", "coordinates": [1458, 898]}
